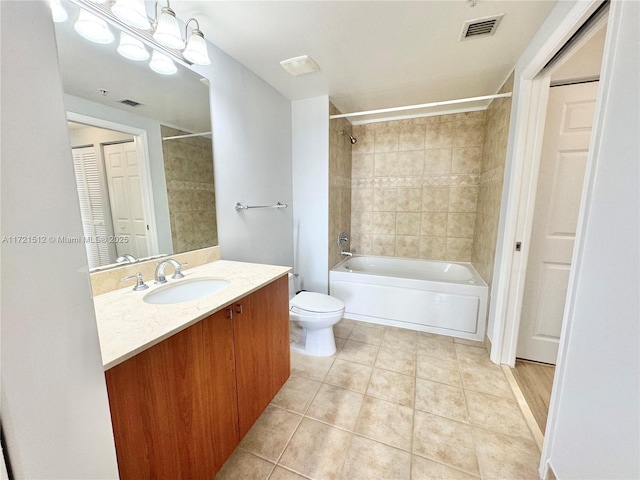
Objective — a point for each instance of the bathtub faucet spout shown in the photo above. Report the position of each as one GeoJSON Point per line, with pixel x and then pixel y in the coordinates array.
{"type": "Point", "coordinates": [346, 254]}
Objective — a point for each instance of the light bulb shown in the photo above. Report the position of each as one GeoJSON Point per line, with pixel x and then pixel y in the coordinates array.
{"type": "Point", "coordinates": [162, 64]}
{"type": "Point", "coordinates": [196, 51]}
{"type": "Point", "coordinates": [93, 28]}
{"type": "Point", "coordinates": [132, 48]}
{"type": "Point", "coordinates": [132, 12]}
{"type": "Point", "coordinates": [168, 31]}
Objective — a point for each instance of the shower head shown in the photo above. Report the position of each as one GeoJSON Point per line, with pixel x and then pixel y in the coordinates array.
{"type": "Point", "coordinates": [352, 139]}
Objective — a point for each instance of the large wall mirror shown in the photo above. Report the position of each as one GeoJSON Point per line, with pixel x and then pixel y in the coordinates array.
{"type": "Point", "coordinates": [142, 151]}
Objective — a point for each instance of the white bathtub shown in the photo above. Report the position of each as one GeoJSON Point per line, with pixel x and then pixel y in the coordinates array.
{"type": "Point", "coordinates": [439, 297]}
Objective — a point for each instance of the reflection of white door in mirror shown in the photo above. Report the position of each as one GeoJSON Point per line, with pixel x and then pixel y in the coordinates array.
{"type": "Point", "coordinates": [127, 212]}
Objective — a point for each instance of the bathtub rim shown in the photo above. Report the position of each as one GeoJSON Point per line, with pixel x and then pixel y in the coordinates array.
{"type": "Point", "coordinates": [338, 267]}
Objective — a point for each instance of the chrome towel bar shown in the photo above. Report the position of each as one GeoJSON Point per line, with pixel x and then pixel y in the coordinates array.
{"type": "Point", "coordinates": [240, 206]}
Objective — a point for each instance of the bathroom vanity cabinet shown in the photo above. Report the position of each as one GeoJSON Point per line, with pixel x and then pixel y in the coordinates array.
{"type": "Point", "coordinates": [180, 407]}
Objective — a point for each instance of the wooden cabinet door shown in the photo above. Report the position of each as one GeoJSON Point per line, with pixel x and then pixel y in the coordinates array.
{"type": "Point", "coordinates": [261, 333]}
{"type": "Point", "coordinates": [174, 406]}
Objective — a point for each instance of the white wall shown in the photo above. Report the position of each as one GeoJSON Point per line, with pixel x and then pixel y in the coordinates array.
{"type": "Point", "coordinates": [251, 125]}
{"type": "Point", "coordinates": [156, 159]}
{"type": "Point", "coordinates": [55, 412]}
{"type": "Point", "coordinates": [310, 148]}
{"type": "Point", "coordinates": [594, 425]}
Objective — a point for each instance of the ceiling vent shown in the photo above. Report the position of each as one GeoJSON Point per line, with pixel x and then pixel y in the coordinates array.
{"type": "Point", "coordinates": [480, 27]}
{"type": "Point", "coordinates": [131, 103]}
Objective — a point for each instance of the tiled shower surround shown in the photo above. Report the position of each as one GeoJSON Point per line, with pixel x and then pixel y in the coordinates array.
{"type": "Point", "coordinates": [415, 186]}
{"type": "Point", "coordinates": [492, 173]}
{"type": "Point", "coordinates": [339, 183]}
{"type": "Point", "coordinates": [188, 165]}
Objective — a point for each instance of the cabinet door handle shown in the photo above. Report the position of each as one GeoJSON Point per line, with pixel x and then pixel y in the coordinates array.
{"type": "Point", "coordinates": [230, 313]}
{"type": "Point", "coordinates": [238, 308]}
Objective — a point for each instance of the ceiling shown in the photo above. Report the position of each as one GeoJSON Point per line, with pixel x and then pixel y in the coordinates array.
{"type": "Point", "coordinates": [372, 54]}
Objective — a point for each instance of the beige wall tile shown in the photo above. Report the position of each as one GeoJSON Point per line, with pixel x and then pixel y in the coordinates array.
{"type": "Point", "coordinates": [439, 135]}
{"type": "Point", "coordinates": [435, 199]}
{"type": "Point", "coordinates": [408, 246]}
{"type": "Point", "coordinates": [434, 225]}
{"type": "Point", "coordinates": [410, 164]}
{"type": "Point", "coordinates": [463, 199]}
{"type": "Point", "coordinates": [361, 221]}
{"type": "Point", "coordinates": [466, 160]}
{"type": "Point", "coordinates": [362, 165]}
{"type": "Point", "coordinates": [461, 225]}
{"type": "Point", "coordinates": [362, 199]}
{"type": "Point", "coordinates": [412, 138]}
{"type": "Point", "coordinates": [433, 248]}
{"type": "Point", "coordinates": [385, 199]}
{"type": "Point", "coordinates": [362, 244]}
{"type": "Point", "coordinates": [384, 245]}
{"type": "Point", "coordinates": [407, 223]}
{"type": "Point", "coordinates": [459, 249]}
{"type": "Point", "coordinates": [386, 142]}
{"type": "Point", "coordinates": [409, 200]}
{"type": "Point", "coordinates": [468, 133]}
{"type": "Point", "coordinates": [385, 164]}
{"type": "Point", "coordinates": [437, 161]}
{"type": "Point", "coordinates": [384, 223]}
{"type": "Point", "coordinates": [492, 165]}
{"type": "Point", "coordinates": [428, 166]}
{"type": "Point", "coordinates": [365, 143]}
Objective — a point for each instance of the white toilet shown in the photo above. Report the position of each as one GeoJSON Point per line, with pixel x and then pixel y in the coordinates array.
{"type": "Point", "coordinates": [313, 316]}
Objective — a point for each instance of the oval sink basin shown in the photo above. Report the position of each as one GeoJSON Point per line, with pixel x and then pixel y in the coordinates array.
{"type": "Point", "coordinates": [185, 291]}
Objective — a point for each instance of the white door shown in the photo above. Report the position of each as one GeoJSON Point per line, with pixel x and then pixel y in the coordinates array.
{"type": "Point", "coordinates": [562, 166]}
{"type": "Point", "coordinates": [125, 194]}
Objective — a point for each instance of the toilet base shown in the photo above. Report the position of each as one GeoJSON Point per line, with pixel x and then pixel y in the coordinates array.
{"type": "Point", "coordinates": [317, 343]}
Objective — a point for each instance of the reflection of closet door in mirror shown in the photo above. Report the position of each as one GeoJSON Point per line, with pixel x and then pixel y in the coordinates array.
{"type": "Point", "coordinates": [94, 207]}
{"type": "Point", "coordinates": [123, 180]}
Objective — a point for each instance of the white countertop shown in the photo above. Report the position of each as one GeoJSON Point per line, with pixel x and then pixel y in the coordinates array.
{"type": "Point", "coordinates": [127, 325]}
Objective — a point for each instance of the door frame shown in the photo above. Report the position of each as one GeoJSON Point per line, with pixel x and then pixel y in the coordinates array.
{"type": "Point", "coordinates": [146, 186]}
{"type": "Point", "coordinates": [528, 115]}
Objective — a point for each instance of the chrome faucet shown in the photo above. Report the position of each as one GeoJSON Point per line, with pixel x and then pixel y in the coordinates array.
{"type": "Point", "coordinates": [126, 258]}
{"type": "Point", "coordinates": [159, 275]}
{"type": "Point", "coordinates": [346, 254]}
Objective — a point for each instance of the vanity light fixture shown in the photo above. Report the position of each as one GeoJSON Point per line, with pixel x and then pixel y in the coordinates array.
{"type": "Point", "coordinates": [161, 33]}
{"type": "Point", "coordinates": [167, 30]}
{"type": "Point", "coordinates": [93, 28]}
{"type": "Point", "coordinates": [162, 64]}
{"type": "Point", "coordinates": [132, 12]}
{"type": "Point", "coordinates": [132, 48]}
{"type": "Point", "coordinates": [196, 50]}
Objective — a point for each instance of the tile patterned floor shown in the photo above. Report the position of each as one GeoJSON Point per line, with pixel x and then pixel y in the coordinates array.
{"type": "Point", "coordinates": [390, 404]}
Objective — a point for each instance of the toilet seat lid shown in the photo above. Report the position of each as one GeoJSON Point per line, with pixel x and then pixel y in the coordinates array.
{"type": "Point", "coordinates": [316, 302]}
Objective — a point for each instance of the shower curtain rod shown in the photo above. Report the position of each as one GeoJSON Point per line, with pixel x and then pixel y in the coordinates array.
{"type": "Point", "coordinates": [423, 105]}
{"type": "Point", "coordinates": [175, 137]}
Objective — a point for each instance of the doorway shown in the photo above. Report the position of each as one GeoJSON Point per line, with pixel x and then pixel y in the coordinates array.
{"type": "Point", "coordinates": [553, 210]}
